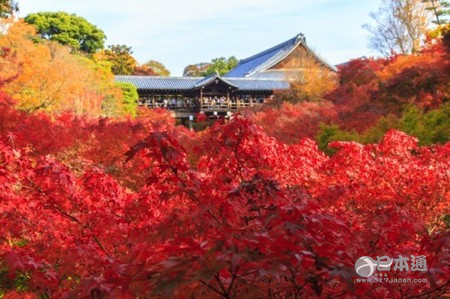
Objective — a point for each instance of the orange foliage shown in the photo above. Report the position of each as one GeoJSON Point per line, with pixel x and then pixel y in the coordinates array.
{"type": "Point", "coordinates": [371, 88]}
{"type": "Point", "coordinates": [143, 70]}
{"type": "Point", "coordinates": [50, 78]}
{"type": "Point", "coordinates": [416, 79]}
{"type": "Point", "coordinates": [402, 62]}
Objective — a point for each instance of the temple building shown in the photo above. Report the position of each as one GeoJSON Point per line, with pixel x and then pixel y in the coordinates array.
{"type": "Point", "coordinates": [250, 83]}
{"type": "Point", "coordinates": [283, 62]}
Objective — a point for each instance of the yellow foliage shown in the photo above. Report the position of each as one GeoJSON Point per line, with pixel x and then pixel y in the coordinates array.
{"type": "Point", "coordinates": [312, 81]}
{"type": "Point", "coordinates": [50, 78]}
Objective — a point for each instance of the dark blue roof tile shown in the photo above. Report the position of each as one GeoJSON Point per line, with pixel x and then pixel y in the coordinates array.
{"type": "Point", "coordinates": [160, 83]}
{"type": "Point", "coordinates": [187, 83]}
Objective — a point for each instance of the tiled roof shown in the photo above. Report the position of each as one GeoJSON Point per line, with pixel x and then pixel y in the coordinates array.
{"type": "Point", "coordinates": [208, 79]}
{"type": "Point", "coordinates": [187, 83]}
{"type": "Point", "coordinates": [204, 81]}
{"type": "Point", "coordinates": [260, 62]}
{"type": "Point", "coordinates": [160, 83]}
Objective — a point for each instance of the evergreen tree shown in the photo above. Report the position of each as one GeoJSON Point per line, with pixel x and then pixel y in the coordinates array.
{"type": "Point", "coordinates": [221, 65]}
{"type": "Point", "coordinates": [68, 29]}
{"type": "Point", "coordinates": [440, 9]}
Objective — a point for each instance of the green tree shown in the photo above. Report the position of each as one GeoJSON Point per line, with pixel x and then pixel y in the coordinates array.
{"type": "Point", "coordinates": [221, 65]}
{"type": "Point", "coordinates": [440, 10]}
{"type": "Point", "coordinates": [330, 133]}
{"type": "Point", "coordinates": [429, 127]}
{"type": "Point", "coordinates": [130, 97]}
{"type": "Point", "coordinates": [68, 29]}
{"type": "Point", "coordinates": [157, 67]}
{"type": "Point", "coordinates": [8, 7]}
{"type": "Point", "coordinates": [120, 57]}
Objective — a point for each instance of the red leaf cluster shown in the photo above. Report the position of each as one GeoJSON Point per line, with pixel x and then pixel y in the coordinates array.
{"type": "Point", "coordinates": [228, 213]}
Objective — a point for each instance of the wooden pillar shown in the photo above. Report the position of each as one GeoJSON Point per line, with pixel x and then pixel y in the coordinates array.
{"type": "Point", "coordinates": [153, 102]}
{"type": "Point", "coordinates": [228, 99]}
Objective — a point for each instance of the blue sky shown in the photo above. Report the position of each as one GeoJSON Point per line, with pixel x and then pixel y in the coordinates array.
{"type": "Point", "coordinates": [182, 32]}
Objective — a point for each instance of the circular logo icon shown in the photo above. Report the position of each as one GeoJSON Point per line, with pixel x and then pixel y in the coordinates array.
{"type": "Point", "coordinates": [365, 266]}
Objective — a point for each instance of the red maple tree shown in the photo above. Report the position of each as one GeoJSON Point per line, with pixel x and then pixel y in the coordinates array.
{"type": "Point", "coordinates": [251, 217]}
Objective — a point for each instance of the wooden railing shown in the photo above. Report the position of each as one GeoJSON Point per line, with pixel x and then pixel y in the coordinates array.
{"type": "Point", "coordinates": [227, 105]}
{"type": "Point", "coordinates": [201, 106]}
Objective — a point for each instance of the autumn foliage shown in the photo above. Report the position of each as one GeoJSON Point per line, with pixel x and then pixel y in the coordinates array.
{"type": "Point", "coordinates": [144, 208]}
{"type": "Point", "coordinates": [48, 77]}
{"type": "Point", "coordinates": [96, 207]}
{"type": "Point", "coordinates": [291, 122]}
{"type": "Point", "coordinates": [369, 89]}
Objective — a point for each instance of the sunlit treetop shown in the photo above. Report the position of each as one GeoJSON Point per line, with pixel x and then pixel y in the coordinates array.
{"type": "Point", "coordinates": [68, 29]}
